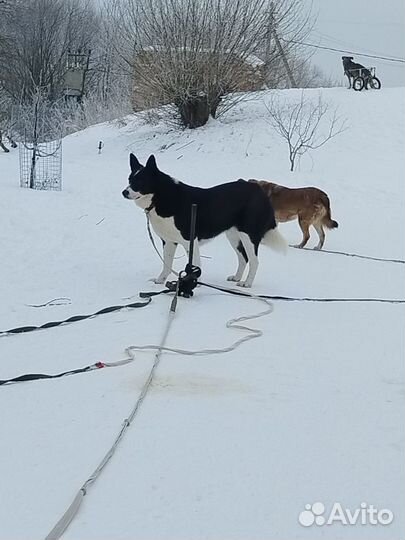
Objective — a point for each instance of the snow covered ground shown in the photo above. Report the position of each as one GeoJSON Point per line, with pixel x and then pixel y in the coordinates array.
{"type": "Point", "coordinates": [226, 447]}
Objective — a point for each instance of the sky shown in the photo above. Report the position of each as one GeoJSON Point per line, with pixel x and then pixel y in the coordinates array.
{"type": "Point", "coordinates": [367, 26]}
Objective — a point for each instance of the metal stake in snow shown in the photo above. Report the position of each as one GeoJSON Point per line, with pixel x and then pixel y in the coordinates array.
{"type": "Point", "coordinates": [188, 278]}
{"type": "Point", "coordinates": [192, 233]}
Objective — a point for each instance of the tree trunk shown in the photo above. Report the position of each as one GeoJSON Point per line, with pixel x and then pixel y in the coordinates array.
{"type": "Point", "coordinates": [2, 145]}
{"type": "Point", "coordinates": [194, 112]}
{"type": "Point", "coordinates": [214, 106]}
{"type": "Point", "coordinates": [292, 161]}
{"type": "Point", "coordinates": [33, 165]}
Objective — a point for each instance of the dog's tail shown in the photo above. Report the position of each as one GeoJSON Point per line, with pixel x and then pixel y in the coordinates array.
{"type": "Point", "coordinates": [327, 219]}
{"type": "Point", "coordinates": [275, 240]}
{"type": "Point", "coordinates": [330, 223]}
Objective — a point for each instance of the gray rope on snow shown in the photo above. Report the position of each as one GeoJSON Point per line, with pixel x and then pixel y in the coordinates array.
{"type": "Point", "coordinates": [232, 323]}
{"type": "Point", "coordinates": [254, 333]}
{"type": "Point", "coordinates": [73, 509]}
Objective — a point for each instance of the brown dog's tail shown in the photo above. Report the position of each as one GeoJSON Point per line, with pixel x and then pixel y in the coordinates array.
{"type": "Point", "coordinates": [327, 220]}
{"type": "Point", "coordinates": [331, 223]}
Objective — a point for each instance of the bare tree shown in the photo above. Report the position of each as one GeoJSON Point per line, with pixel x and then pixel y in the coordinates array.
{"type": "Point", "coordinates": [35, 37]}
{"type": "Point", "coordinates": [304, 124]}
{"type": "Point", "coordinates": [6, 122]}
{"type": "Point", "coordinates": [2, 145]}
{"type": "Point", "coordinates": [109, 87]}
{"type": "Point", "coordinates": [97, 106]}
{"type": "Point", "coordinates": [6, 8]}
{"type": "Point", "coordinates": [191, 54]}
{"type": "Point", "coordinates": [309, 75]}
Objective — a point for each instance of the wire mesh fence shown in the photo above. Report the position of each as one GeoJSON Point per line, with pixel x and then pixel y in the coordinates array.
{"type": "Point", "coordinates": [41, 165]}
{"type": "Point", "coordinates": [40, 124]}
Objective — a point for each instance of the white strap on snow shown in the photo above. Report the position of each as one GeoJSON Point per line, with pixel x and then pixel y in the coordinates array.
{"type": "Point", "coordinates": [71, 512]}
{"type": "Point", "coordinates": [253, 333]}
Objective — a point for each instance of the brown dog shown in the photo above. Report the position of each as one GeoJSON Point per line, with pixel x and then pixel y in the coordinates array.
{"type": "Point", "coordinates": [310, 205]}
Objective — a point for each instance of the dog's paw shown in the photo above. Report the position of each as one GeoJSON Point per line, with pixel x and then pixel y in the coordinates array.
{"type": "Point", "coordinates": [158, 281]}
{"type": "Point", "coordinates": [317, 248]}
{"type": "Point", "coordinates": [298, 246]}
{"type": "Point", "coordinates": [244, 284]}
{"type": "Point", "coordinates": [232, 278]}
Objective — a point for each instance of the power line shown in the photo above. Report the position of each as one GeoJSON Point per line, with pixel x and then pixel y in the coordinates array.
{"type": "Point", "coordinates": [401, 60]}
{"type": "Point", "coordinates": [335, 42]}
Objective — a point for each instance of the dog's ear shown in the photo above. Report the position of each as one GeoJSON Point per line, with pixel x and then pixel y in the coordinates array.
{"type": "Point", "coordinates": [151, 163]}
{"type": "Point", "coordinates": [134, 163]}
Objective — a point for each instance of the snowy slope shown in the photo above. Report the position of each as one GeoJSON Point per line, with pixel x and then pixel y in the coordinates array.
{"type": "Point", "coordinates": [229, 446]}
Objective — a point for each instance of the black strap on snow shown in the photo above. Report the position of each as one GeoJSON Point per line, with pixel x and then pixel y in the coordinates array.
{"type": "Point", "coordinates": [275, 297]}
{"type": "Point", "coordinates": [37, 376]}
{"type": "Point", "coordinates": [75, 318]}
{"type": "Point", "coordinates": [298, 298]}
{"type": "Point", "coordinates": [149, 294]}
{"type": "Point", "coordinates": [368, 257]}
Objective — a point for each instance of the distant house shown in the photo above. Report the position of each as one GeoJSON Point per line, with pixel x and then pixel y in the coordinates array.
{"type": "Point", "coordinates": [174, 66]}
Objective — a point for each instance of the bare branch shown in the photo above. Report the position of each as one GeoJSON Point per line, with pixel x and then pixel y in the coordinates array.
{"type": "Point", "coordinates": [299, 123]}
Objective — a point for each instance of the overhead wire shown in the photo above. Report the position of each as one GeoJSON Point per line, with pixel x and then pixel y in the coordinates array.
{"type": "Point", "coordinates": [389, 59]}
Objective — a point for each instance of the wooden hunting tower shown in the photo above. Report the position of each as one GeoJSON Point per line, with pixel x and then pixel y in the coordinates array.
{"type": "Point", "coordinates": [76, 69]}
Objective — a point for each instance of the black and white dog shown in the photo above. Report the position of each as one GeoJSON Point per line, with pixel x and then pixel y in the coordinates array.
{"type": "Point", "coordinates": [239, 209]}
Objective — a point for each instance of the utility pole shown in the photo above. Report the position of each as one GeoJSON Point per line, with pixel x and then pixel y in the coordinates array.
{"type": "Point", "coordinates": [270, 25]}
{"type": "Point", "coordinates": [272, 34]}
{"type": "Point", "coordinates": [290, 75]}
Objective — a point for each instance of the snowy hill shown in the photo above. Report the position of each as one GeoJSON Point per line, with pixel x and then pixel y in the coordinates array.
{"type": "Point", "coordinates": [229, 446]}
